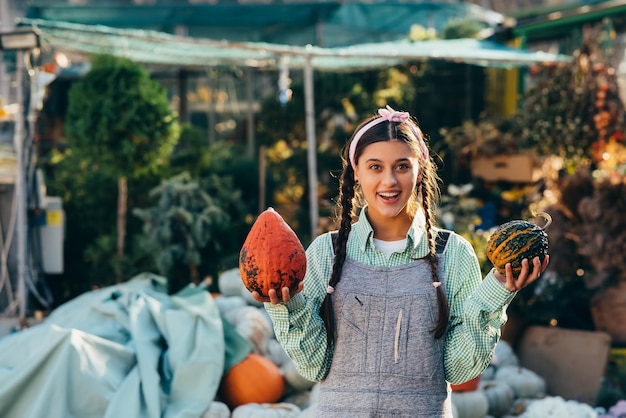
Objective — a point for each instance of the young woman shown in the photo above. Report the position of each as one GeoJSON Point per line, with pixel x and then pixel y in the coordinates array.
{"type": "Point", "coordinates": [392, 308]}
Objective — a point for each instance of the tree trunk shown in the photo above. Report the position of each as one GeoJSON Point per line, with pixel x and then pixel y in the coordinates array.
{"type": "Point", "coordinates": [122, 193]}
{"type": "Point", "coordinates": [193, 273]}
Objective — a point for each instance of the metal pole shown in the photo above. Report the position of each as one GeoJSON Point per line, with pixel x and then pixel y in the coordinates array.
{"type": "Point", "coordinates": [20, 187]}
{"type": "Point", "coordinates": [309, 110]}
{"type": "Point", "coordinates": [250, 112]}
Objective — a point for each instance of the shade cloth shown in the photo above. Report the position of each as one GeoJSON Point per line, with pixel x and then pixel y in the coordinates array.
{"type": "Point", "coordinates": [128, 350]}
{"type": "Point", "coordinates": [159, 48]}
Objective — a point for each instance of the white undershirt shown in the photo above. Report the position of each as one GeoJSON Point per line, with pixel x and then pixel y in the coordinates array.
{"type": "Point", "coordinates": [390, 247]}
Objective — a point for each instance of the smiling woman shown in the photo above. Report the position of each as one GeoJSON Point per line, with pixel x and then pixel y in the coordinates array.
{"type": "Point", "coordinates": [392, 309]}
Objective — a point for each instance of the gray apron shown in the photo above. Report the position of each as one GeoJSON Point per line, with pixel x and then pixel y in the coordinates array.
{"type": "Point", "coordinates": [386, 362]}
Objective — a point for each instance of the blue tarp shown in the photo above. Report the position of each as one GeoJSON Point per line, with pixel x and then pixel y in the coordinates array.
{"type": "Point", "coordinates": [128, 350]}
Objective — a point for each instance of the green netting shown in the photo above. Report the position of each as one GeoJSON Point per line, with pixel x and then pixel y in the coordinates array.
{"type": "Point", "coordinates": [321, 23]}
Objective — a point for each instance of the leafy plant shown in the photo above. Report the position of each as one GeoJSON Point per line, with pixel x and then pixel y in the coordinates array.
{"type": "Point", "coordinates": [460, 212]}
{"type": "Point", "coordinates": [461, 28]}
{"type": "Point", "coordinates": [573, 109]}
{"type": "Point", "coordinates": [588, 231]}
{"type": "Point", "coordinates": [179, 226]}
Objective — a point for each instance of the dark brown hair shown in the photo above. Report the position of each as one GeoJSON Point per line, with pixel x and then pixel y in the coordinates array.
{"type": "Point", "coordinates": [350, 200]}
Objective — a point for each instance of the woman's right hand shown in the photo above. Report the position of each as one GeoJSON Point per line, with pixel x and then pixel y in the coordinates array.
{"type": "Point", "coordinates": [275, 297]}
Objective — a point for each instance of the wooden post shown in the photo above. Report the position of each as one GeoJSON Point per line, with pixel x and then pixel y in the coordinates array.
{"type": "Point", "coordinates": [262, 168]}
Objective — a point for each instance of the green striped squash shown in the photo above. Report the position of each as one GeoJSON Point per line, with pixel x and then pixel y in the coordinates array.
{"type": "Point", "coordinates": [516, 240]}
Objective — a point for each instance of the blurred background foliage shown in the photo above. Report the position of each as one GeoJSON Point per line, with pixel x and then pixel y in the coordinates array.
{"type": "Point", "coordinates": [230, 177]}
{"type": "Point", "coordinates": [448, 99]}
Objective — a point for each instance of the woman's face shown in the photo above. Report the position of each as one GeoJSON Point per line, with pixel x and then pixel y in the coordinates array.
{"type": "Point", "coordinates": [387, 172]}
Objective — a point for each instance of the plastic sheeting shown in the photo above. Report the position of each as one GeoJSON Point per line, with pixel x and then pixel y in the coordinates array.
{"type": "Point", "coordinates": [128, 350]}
{"type": "Point", "coordinates": [159, 48]}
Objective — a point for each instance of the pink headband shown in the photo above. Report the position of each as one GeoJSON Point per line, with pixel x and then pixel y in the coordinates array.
{"type": "Point", "coordinates": [388, 115]}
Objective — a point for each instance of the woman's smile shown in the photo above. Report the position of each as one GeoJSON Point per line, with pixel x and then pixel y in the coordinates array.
{"type": "Point", "coordinates": [389, 197]}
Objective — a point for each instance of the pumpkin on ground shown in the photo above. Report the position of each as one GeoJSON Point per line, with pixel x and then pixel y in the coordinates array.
{"type": "Point", "coordinates": [556, 406]}
{"type": "Point", "coordinates": [470, 404]}
{"type": "Point", "coordinates": [524, 382]}
{"type": "Point", "coordinates": [272, 256]}
{"type": "Point", "coordinates": [504, 355]}
{"type": "Point", "coordinates": [229, 282]}
{"type": "Point", "coordinates": [310, 412]}
{"type": "Point", "coordinates": [255, 379]}
{"type": "Point", "coordinates": [516, 240]}
{"type": "Point", "coordinates": [252, 324]}
{"type": "Point", "coordinates": [277, 410]}
{"type": "Point", "coordinates": [217, 410]}
{"type": "Point", "coordinates": [500, 397]}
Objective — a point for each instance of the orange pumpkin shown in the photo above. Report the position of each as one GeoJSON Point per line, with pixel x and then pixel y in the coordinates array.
{"type": "Point", "coordinates": [272, 256]}
{"type": "Point", "coordinates": [468, 386]}
{"type": "Point", "coordinates": [255, 379]}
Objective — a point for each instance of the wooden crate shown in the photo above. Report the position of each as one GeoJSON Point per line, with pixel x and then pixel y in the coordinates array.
{"type": "Point", "coordinates": [515, 168]}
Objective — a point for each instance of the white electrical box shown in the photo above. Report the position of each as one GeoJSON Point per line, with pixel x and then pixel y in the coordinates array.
{"type": "Point", "coordinates": [52, 231]}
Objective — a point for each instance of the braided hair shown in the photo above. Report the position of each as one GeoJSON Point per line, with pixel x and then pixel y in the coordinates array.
{"type": "Point", "coordinates": [426, 193]}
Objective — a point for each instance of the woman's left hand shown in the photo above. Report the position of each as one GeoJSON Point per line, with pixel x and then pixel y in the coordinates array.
{"type": "Point", "coordinates": [526, 276]}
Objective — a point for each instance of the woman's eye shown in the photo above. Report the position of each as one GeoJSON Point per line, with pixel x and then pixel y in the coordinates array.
{"type": "Point", "coordinates": [403, 167]}
{"type": "Point", "coordinates": [374, 167]}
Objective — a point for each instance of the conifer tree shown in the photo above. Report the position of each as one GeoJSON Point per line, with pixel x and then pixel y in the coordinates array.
{"type": "Point", "coordinates": [121, 121]}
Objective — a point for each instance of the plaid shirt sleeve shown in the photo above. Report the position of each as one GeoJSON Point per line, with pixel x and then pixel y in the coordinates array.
{"type": "Point", "coordinates": [298, 325]}
{"type": "Point", "coordinates": [477, 312]}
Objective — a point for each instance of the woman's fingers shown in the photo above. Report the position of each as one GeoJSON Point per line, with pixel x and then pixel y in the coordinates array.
{"type": "Point", "coordinates": [257, 296]}
{"type": "Point", "coordinates": [286, 294]}
{"type": "Point", "coordinates": [510, 279]}
{"type": "Point", "coordinates": [275, 297]}
{"type": "Point", "coordinates": [529, 275]}
{"type": "Point", "coordinates": [299, 288]}
{"type": "Point", "coordinates": [530, 271]}
{"type": "Point", "coordinates": [517, 283]}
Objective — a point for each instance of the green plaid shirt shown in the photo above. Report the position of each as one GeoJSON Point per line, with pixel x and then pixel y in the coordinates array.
{"type": "Point", "coordinates": [477, 306]}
